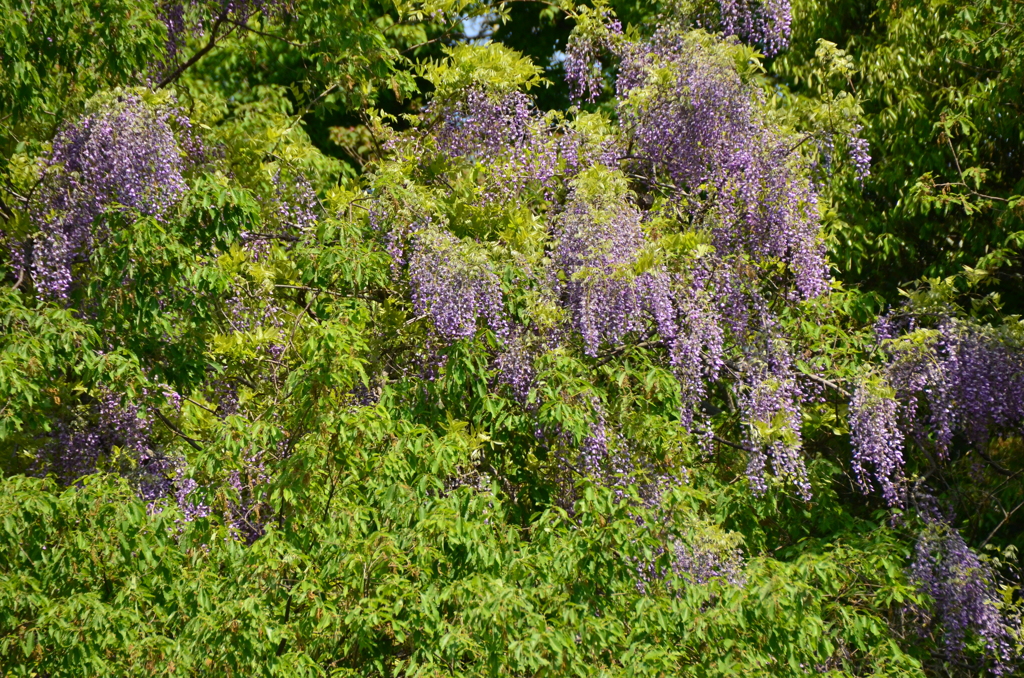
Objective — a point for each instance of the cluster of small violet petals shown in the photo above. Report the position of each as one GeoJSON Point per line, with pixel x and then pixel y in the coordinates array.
{"type": "Point", "coordinates": [765, 23]}
{"type": "Point", "coordinates": [690, 323]}
{"type": "Point", "coordinates": [597, 244]}
{"type": "Point", "coordinates": [858, 149]}
{"type": "Point", "coordinates": [695, 561]}
{"type": "Point", "coordinates": [971, 381]}
{"type": "Point", "coordinates": [252, 311]}
{"type": "Point", "coordinates": [583, 68]}
{"type": "Point", "coordinates": [877, 442]}
{"type": "Point", "coordinates": [181, 24]}
{"type": "Point", "coordinates": [247, 515]}
{"type": "Point", "coordinates": [773, 395]}
{"type": "Point", "coordinates": [703, 131]}
{"type": "Point", "coordinates": [702, 560]}
{"type": "Point", "coordinates": [483, 126]}
{"type": "Point", "coordinates": [75, 449]}
{"type": "Point", "coordinates": [123, 156]}
{"type": "Point", "coordinates": [172, 14]}
{"type": "Point", "coordinates": [520, 149]}
{"type": "Point", "coordinates": [965, 598]}
{"type": "Point", "coordinates": [451, 289]}
{"type": "Point", "coordinates": [295, 202]}
{"type": "Point", "coordinates": [607, 457]}
{"type": "Point", "coordinates": [985, 380]}
{"type": "Point", "coordinates": [514, 368]}
{"type": "Point", "coordinates": [596, 247]}
{"type": "Point", "coordinates": [225, 394]}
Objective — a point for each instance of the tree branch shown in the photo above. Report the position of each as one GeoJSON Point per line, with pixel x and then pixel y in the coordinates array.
{"type": "Point", "coordinates": [732, 444]}
{"type": "Point", "coordinates": [176, 431]}
{"type": "Point", "coordinates": [825, 382]}
{"type": "Point", "coordinates": [198, 55]}
{"type": "Point", "coordinates": [998, 468]}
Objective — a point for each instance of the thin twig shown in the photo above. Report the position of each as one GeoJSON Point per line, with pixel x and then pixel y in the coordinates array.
{"type": "Point", "coordinates": [604, 358]}
{"type": "Point", "coordinates": [198, 55]}
{"type": "Point", "coordinates": [825, 382]}
{"type": "Point", "coordinates": [963, 180]}
{"type": "Point", "coordinates": [376, 295]}
{"type": "Point", "coordinates": [1006, 517]}
{"type": "Point", "coordinates": [993, 463]}
{"type": "Point", "coordinates": [249, 28]}
{"type": "Point", "coordinates": [197, 404]}
{"type": "Point", "coordinates": [176, 431]}
{"type": "Point", "coordinates": [732, 444]}
{"type": "Point", "coordinates": [274, 236]}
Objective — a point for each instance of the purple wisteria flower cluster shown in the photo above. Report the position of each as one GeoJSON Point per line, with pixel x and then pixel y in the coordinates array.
{"type": "Point", "coordinates": [599, 240]}
{"type": "Point", "coordinates": [77, 447]}
{"type": "Point", "coordinates": [520, 149]}
{"type": "Point", "coordinates": [960, 378]}
{"type": "Point", "coordinates": [110, 432]}
{"type": "Point", "coordinates": [771, 405]}
{"type": "Point", "coordinates": [697, 126]}
{"type": "Point", "coordinates": [190, 18]}
{"type": "Point", "coordinates": [583, 66]}
{"type": "Point", "coordinates": [514, 367]}
{"type": "Point", "coordinates": [734, 187]}
{"type": "Point", "coordinates": [597, 247]}
{"type": "Point", "coordinates": [764, 23]}
{"type": "Point", "coordinates": [453, 287]}
{"type": "Point", "coordinates": [124, 156]}
{"type": "Point", "coordinates": [877, 439]}
{"type": "Point", "coordinates": [294, 201]}
{"type": "Point", "coordinates": [964, 595]}
{"type": "Point", "coordinates": [859, 151]}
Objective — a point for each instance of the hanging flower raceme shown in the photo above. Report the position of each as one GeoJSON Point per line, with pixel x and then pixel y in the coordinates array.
{"type": "Point", "coordinates": [518, 147]}
{"type": "Point", "coordinates": [597, 246]}
{"type": "Point", "coordinates": [764, 23]}
{"type": "Point", "coordinates": [583, 67]}
{"type": "Point", "coordinates": [186, 19]}
{"type": "Point", "coordinates": [771, 405]}
{"type": "Point", "coordinates": [453, 287]}
{"type": "Point", "coordinates": [960, 378]}
{"type": "Point", "coordinates": [877, 439]}
{"type": "Point", "coordinates": [123, 156]}
{"type": "Point", "coordinates": [964, 595]}
{"type": "Point", "coordinates": [696, 124]}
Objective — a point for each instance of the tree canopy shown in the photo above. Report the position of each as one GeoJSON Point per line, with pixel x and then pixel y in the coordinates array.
{"type": "Point", "coordinates": [520, 338]}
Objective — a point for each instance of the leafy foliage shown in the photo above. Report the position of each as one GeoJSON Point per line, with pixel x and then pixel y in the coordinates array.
{"type": "Point", "coordinates": [504, 386]}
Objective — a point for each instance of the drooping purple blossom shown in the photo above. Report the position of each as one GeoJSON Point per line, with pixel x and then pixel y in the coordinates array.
{"type": "Point", "coordinates": [689, 319]}
{"type": "Point", "coordinates": [877, 440]}
{"type": "Point", "coordinates": [189, 18]}
{"type": "Point", "coordinates": [514, 367]}
{"type": "Point", "coordinates": [702, 559]}
{"type": "Point", "coordinates": [764, 23]}
{"type": "Point", "coordinates": [860, 155]}
{"type": "Point", "coordinates": [294, 201]}
{"type": "Point", "coordinates": [123, 156]}
{"type": "Point", "coordinates": [598, 243]}
{"type": "Point", "coordinates": [583, 67]}
{"type": "Point", "coordinates": [519, 148]}
{"type": "Point", "coordinates": [118, 435]}
{"type": "Point", "coordinates": [771, 405]}
{"type": "Point", "coordinates": [252, 309]}
{"type": "Point", "coordinates": [701, 129]}
{"type": "Point", "coordinates": [960, 378]}
{"type": "Point", "coordinates": [453, 287]}
{"type": "Point", "coordinates": [78, 445]}
{"type": "Point", "coordinates": [964, 595]}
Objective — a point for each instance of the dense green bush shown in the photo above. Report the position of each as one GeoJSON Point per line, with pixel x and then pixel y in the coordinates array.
{"type": "Point", "coordinates": [338, 342]}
